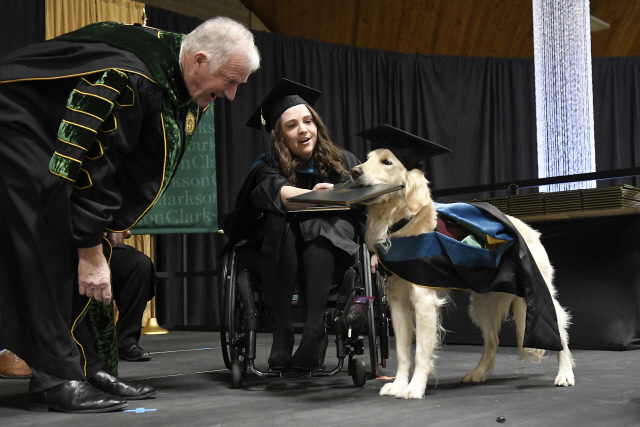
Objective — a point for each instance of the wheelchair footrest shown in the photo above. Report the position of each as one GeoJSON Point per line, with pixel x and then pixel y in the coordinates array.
{"type": "Point", "coordinates": [295, 374]}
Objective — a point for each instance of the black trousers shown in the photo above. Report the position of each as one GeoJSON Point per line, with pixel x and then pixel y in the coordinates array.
{"type": "Point", "coordinates": [133, 282]}
{"type": "Point", "coordinates": [133, 279]}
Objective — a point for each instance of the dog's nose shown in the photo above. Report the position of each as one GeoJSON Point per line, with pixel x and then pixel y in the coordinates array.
{"type": "Point", "coordinates": [356, 172]}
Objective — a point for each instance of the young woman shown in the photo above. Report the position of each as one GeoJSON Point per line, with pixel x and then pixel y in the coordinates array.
{"type": "Point", "coordinates": [299, 157]}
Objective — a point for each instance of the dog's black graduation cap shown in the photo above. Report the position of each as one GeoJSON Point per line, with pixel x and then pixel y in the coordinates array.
{"type": "Point", "coordinates": [408, 148]}
{"type": "Point", "coordinates": [284, 95]}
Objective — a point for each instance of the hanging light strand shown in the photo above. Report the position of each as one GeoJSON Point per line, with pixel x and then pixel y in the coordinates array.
{"type": "Point", "coordinates": [564, 90]}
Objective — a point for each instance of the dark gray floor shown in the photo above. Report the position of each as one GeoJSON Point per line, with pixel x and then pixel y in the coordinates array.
{"type": "Point", "coordinates": [194, 390]}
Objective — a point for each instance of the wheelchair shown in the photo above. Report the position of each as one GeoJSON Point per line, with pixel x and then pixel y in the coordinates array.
{"type": "Point", "coordinates": [356, 308]}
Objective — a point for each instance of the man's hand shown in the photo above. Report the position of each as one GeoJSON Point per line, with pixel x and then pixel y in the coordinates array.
{"type": "Point", "coordinates": [94, 276]}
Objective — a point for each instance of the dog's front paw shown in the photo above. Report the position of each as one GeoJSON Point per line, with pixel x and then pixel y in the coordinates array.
{"type": "Point", "coordinates": [474, 376]}
{"type": "Point", "coordinates": [565, 380]}
{"type": "Point", "coordinates": [413, 392]}
{"type": "Point", "coordinates": [393, 389]}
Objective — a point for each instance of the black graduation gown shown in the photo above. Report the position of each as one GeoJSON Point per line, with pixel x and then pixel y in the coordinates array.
{"type": "Point", "coordinates": [260, 215]}
{"type": "Point", "coordinates": [438, 261]}
{"type": "Point", "coordinates": [48, 210]}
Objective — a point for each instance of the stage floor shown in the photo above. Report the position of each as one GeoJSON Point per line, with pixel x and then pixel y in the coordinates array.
{"type": "Point", "coordinates": [195, 390]}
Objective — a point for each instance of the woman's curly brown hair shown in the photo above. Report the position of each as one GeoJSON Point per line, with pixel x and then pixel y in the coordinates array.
{"type": "Point", "coordinates": [327, 156]}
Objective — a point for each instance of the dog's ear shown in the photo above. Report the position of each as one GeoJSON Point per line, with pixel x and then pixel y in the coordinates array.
{"type": "Point", "coordinates": [416, 190]}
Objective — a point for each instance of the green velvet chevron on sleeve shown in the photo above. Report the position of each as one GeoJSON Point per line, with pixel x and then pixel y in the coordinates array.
{"type": "Point", "coordinates": [89, 106]}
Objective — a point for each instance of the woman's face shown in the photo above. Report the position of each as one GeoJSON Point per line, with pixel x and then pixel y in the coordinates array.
{"type": "Point", "coordinates": [299, 131]}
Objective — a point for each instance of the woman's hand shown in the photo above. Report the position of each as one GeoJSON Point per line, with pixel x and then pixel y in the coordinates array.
{"type": "Point", "coordinates": [322, 186]}
{"type": "Point", "coordinates": [94, 276]}
{"type": "Point", "coordinates": [374, 263]}
{"type": "Point", "coordinates": [288, 191]}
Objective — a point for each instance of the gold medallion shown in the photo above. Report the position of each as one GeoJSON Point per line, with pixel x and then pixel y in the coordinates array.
{"type": "Point", "coordinates": [191, 123]}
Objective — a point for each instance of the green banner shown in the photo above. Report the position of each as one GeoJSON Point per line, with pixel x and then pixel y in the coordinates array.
{"type": "Point", "coordinates": [190, 203]}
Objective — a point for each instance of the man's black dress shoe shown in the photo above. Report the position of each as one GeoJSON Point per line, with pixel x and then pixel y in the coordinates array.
{"type": "Point", "coordinates": [75, 397]}
{"type": "Point", "coordinates": [133, 353]}
{"type": "Point", "coordinates": [103, 380]}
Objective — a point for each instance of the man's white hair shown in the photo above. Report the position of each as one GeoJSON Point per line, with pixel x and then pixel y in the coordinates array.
{"type": "Point", "coordinates": [220, 38]}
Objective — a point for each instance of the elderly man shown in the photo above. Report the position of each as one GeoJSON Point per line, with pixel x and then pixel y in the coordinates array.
{"type": "Point", "coordinates": [92, 127]}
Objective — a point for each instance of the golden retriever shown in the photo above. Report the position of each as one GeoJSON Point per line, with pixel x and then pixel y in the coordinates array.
{"type": "Point", "coordinates": [414, 306]}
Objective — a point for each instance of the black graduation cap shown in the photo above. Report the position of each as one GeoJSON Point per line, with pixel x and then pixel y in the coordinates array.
{"type": "Point", "coordinates": [284, 95]}
{"type": "Point", "coordinates": [408, 148]}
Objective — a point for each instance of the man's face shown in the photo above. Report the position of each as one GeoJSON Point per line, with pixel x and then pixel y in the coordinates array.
{"type": "Point", "coordinates": [204, 87]}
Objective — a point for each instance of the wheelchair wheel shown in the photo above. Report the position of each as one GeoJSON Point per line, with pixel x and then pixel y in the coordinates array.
{"type": "Point", "coordinates": [237, 372]}
{"type": "Point", "coordinates": [227, 279]}
{"type": "Point", "coordinates": [383, 320]}
{"type": "Point", "coordinates": [233, 328]}
{"type": "Point", "coordinates": [369, 291]}
{"type": "Point", "coordinates": [358, 371]}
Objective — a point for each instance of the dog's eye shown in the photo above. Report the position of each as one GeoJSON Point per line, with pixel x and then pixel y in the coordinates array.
{"type": "Point", "coordinates": [386, 162]}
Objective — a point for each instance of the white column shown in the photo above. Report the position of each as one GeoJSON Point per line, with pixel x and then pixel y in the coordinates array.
{"type": "Point", "coordinates": [564, 90]}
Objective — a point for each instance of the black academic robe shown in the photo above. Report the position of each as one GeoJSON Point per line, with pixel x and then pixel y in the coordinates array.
{"type": "Point", "coordinates": [69, 173]}
{"type": "Point", "coordinates": [502, 263]}
{"type": "Point", "coordinates": [260, 215]}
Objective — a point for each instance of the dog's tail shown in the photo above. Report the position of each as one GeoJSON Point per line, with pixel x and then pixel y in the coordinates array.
{"type": "Point", "coordinates": [532, 354]}
{"type": "Point", "coordinates": [519, 317]}
{"type": "Point", "coordinates": [443, 300]}
{"type": "Point", "coordinates": [519, 308]}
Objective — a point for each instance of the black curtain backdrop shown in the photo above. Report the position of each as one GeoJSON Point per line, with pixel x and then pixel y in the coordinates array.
{"type": "Point", "coordinates": [22, 24]}
{"type": "Point", "coordinates": [170, 21]}
{"type": "Point", "coordinates": [481, 108]}
{"type": "Point", "coordinates": [616, 106]}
